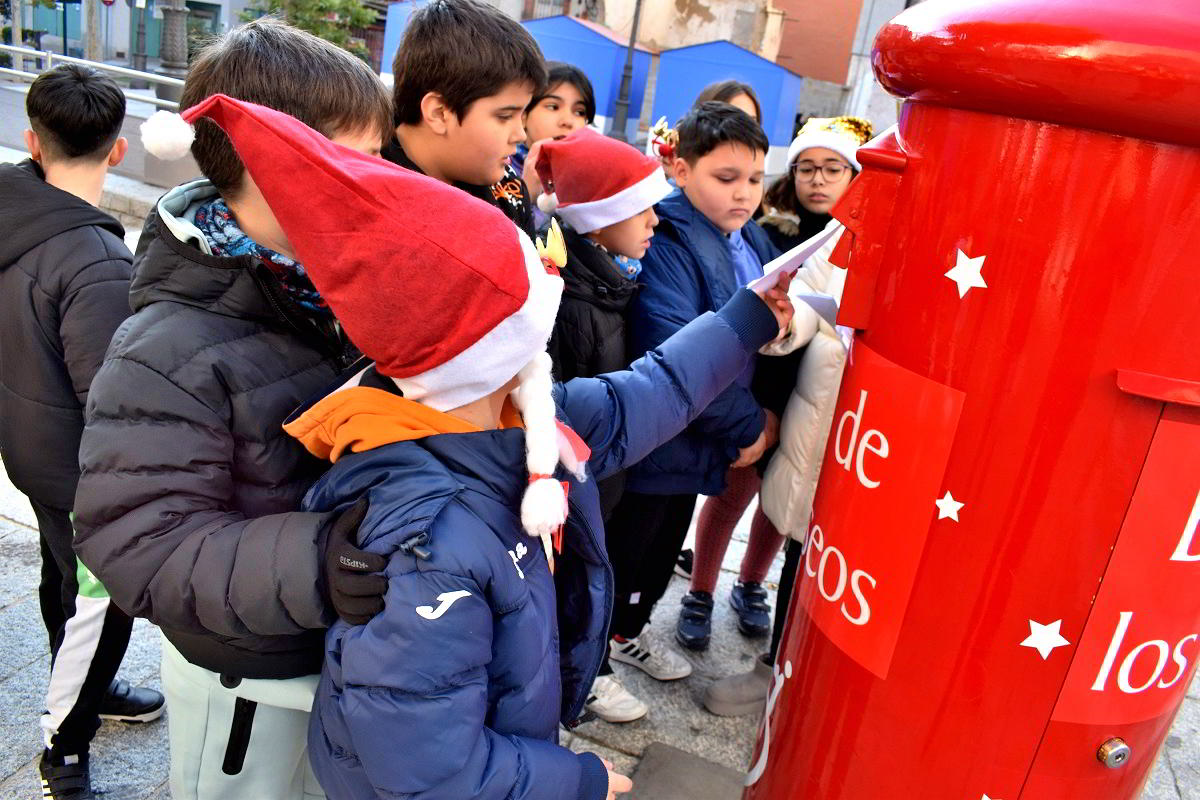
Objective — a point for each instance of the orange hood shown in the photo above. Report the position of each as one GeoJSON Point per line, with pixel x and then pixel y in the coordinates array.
{"type": "Point", "coordinates": [362, 418]}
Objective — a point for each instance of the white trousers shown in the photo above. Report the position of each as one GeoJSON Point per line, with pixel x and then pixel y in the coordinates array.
{"type": "Point", "coordinates": [200, 718]}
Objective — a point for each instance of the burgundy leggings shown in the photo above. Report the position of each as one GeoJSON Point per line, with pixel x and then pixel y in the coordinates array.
{"type": "Point", "coordinates": [715, 527]}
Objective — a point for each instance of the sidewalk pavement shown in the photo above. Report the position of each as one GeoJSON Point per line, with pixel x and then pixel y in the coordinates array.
{"type": "Point", "coordinates": [130, 762]}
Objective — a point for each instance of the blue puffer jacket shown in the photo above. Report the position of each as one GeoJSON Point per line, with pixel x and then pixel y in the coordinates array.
{"type": "Point", "coordinates": [457, 688]}
{"type": "Point", "coordinates": [687, 271]}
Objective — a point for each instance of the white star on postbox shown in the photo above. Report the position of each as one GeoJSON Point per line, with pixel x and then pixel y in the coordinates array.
{"type": "Point", "coordinates": [1044, 638]}
{"type": "Point", "coordinates": [967, 273]}
{"type": "Point", "coordinates": [948, 507]}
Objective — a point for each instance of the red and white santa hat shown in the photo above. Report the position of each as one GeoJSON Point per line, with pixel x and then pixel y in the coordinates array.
{"type": "Point", "coordinates": [441, 290]}
{"type": "Point", "coordinates": [597, 181]}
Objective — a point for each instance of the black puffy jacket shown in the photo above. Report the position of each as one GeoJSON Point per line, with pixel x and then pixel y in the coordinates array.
{"type": "Point", "coordinates": [64, 289]}
{"type": "Point", "coordinates": [589, 334]}
{"type": "Point", "coordinates": [186, 505]}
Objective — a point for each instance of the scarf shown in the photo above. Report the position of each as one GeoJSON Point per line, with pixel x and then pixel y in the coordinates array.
{"type": "Point", "coordinates": [629, 267]}
{"type": "Point", "coordinates": [226, 239]}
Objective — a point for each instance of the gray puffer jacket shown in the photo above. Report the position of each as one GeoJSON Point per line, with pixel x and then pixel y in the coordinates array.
{"type": "Point", "coordinates": [186, 502]}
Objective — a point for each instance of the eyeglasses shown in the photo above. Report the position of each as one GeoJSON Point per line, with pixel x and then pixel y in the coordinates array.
{"type": "Point", "coordinates": [831, 172]}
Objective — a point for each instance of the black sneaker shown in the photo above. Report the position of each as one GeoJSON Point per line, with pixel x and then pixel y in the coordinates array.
{"type": "Point", "coordinates": [694, 628]}
{"type": "Point", "coordinates": [125, 703]}
{"type": "Point", "coordinates": [749, 600]}
{"type": "Point", "coordinates": [683, 564]}
{"type": "Point", "coordinates": [66, 781]}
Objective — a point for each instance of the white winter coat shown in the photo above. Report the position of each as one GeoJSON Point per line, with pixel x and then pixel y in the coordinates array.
{"type": "Point", "coordinates": [791, 477]}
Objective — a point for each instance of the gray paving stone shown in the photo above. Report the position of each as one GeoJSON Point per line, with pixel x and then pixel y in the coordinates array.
{"type": "Point", "coordinates": [23, 783]}
{"type": "Point", "coordinates": [129, 762]}
{"type": "Point", "coordinates": [141, 662]}
{"type": "Point", "coordinates": [21, 701]}
{"type": "Point", "coordinates": [666, 773]}
{"type": "Point", "coordinates": [20, 562]}
{"type": "Point", "coordinates": [21, 623]}
{"type": "Point", "coordinates": [1181, 755]}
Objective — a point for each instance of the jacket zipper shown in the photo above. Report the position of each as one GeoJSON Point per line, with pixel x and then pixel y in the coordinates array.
{"type": "Point", "coordinates": [586, 686]}
{"type": "Point", "coordinates": [312, 334]}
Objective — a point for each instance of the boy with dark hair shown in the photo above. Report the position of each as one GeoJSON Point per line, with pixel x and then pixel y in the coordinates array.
{"type": "Point", "coordinates": [64, 289]}
{"type": "Point", "coordinates": [704, 250]}
{"type": "Point", "coordinates": [188, 503]}
{"type": "Point", "coordinates": [481, 498]}
{"type": "Point", "coordinates": [464, 75]}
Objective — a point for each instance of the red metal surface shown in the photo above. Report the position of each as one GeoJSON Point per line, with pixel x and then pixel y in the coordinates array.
{"type": "Point", "coordinates": [1159, 387]}
{"type": "Point", "coordinates": [1139, 648]}
{"type": "Point", "coordinates": [1112, 65]}
{"type": "Point", "coordinates": [892, 433]}
{"type": "Point", "coordinates": [872, 195]}
{"type": "Point", "coordinates": [1088, 242]}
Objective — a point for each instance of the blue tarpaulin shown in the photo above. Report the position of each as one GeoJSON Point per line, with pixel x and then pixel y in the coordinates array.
{"type": "Point", "coordinates": [685, 71]}
{"type": "Point", "coordinates": [600, 53]}
{"type": "Point", "coordinates": [393, 29]}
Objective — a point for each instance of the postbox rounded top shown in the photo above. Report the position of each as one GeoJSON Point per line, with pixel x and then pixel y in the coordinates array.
{"type": "Point", "coordinates": [1130, 67]}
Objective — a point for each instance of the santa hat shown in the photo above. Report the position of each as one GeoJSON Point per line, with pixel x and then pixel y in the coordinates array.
{"type": "Point", "coordinates": [842, 135]}
{"type": "Point", "coordinates": [441, 290]}
{"type": "Point", "coordinates": [597, 181]}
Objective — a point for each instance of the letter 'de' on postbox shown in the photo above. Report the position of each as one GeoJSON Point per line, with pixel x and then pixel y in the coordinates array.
{"type": "Point", "coordinates": [1000, 595]}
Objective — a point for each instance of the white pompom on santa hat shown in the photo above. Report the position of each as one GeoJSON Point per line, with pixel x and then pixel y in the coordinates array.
{"type": "Point", "coordinates": [597, 181]}
{"type": "Point", "coordinates": [451, 306]}
{"type": "Point", "coordinates": [166, 135]}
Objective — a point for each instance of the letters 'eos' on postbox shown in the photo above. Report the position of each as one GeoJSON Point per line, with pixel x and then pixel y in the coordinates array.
{"type": "Point", "coordinates": [1000, 596]}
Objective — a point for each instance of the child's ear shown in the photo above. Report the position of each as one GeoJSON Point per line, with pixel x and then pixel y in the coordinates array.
{"type": "Point", "coordinates": [117, 154]}
{"type": "Point", "coordinates": [32, 144]}
{"type": "Point", "coordinates": [680, 169]}
{"type": "Point", "coordinates": [435, 113]}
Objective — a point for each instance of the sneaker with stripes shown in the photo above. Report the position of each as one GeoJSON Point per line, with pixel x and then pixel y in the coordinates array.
{"type": "Point", "coordinates": [655, 659]}
{"type": "Point", "coordinates": [612, 702]}
{"type": "Point", "coordinates": [66, 778]}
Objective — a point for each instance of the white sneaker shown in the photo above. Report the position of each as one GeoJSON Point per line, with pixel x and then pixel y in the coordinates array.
{"type": "Point", "coordinates": [612, 702]}
{"type": "Point", "coordinates": [656, 660]}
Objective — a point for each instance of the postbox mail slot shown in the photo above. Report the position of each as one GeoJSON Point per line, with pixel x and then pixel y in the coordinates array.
{"type": "Point", "coordinates": [866, 211]}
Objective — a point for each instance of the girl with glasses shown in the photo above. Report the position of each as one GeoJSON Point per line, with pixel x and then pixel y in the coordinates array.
{"type": "Point", "coordinates": [821, 165]}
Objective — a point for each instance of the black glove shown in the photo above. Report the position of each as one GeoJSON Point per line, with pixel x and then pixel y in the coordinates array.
{"type": "Point", "coordinates": [353, 577]}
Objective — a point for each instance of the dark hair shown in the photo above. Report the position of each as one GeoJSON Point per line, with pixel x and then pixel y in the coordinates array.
{"type": "Point", "coordinates": [713, 123]}
{"type": "Point", "coordinates": [558, 73]}
{"type": "Point", "coordinates": [462, 50]}
{"type": "Point", "coordinates": [725, 91]}
{"type": "Point", "coordinates": [275, 65]}
{"type": "Point", "coordinates": [75, 111]}
{"type": "Point", "coordinates": [781, 194]}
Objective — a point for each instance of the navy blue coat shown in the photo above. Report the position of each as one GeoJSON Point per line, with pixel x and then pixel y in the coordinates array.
{"type": "Point", "coordinates": [687, 271]}
{"type": "Point", "coordinates": [456, 689]}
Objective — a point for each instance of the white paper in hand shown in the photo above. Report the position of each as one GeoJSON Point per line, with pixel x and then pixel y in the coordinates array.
{"type": "Point", "coordinates": [793, 259]}
{"type": "Point", "coordinates": [825, 306]}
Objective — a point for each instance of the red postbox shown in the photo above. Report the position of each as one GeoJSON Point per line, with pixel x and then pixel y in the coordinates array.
{"type": "Point", "coordinates": [1000, 597]}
